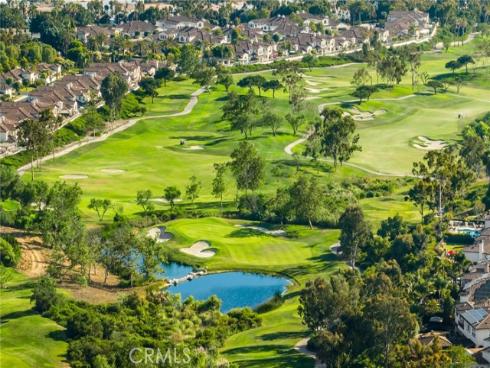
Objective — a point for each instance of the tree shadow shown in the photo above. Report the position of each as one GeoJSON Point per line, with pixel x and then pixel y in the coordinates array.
{"type": "Point", "coordinates": [17, 314]}
{"type": "Point", "coordinates": [245, 232]}
{"type": "Point", "coordinates": [284, 335]}
{"type": "Point", "coordinates": [177, 97]}
{"type": "Point", "coordinates": [58, 335]}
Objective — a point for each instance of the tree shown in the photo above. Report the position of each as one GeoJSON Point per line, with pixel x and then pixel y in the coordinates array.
{"type": "Point", "coordinates": [363, 92]}
{"type": "Point", "coordinates": [150, 87]}
{"type": "Point", "coordinates": [225, 79]}
{"type": "Point", "coordinates": [273, 120]}
{"type": "Point", "coordinates": [44, 294]}
{"type": "Point", "coordinates": [435, 85]}
{"type": "Point", "coordinates": [391, 322]}
{"type": "Point", "coordinates": [170, 194]}
{"type": "Point", "coordinates": [306, 199]}
{"type": "Point", "coordinates": [324, 301]}
{"type": "Point", "coordinates": [101, 206]}
{"type": "Point", "coordinates": [6, 275]}
{"type": "Point", "coordinates": [164, 74]}
{"type": "Point", "coordinates": [453, 65]}
{"type": "Point", "coordinates": [465, 60]}
{"type": "Point", "coordinates": [290, 75]}
{"type": "Point", "coordinates": [355, 233]}
{"type": "Point", "coordinates": [272, 84]}
{"type": "Point", "coordinates": [361, 78]}
{"type": "Point", "coordinates": [113, 88]}
{"type": "Point", "coordinates": [219, 183]}
{"type": "Point", "coordinates": [188, 59]}
{"type": "Point", "coordinates": [93, 120]}
{"type": "Point", "coordinates": [413, 59]}
{"type": "Point", "coordinates": [252, 81]}
{"type": "Point", "coordinates": [295, 121]}
{"type": "Point", "coordinates": [34, 136]}
{"type": "Point", "coordinates": [204, 76]}
{"type": "Point", "coordinates": [77, 52]}
{"type": "Point", "coordinates": [143, 199]}
{"type": "Point", "coordinates": [247, 166]}
{"type": "Point", "coordinates": [151, 256]}
{"type": "Point", "coordinates": [334, 136]}
{"type": "Point", "coordinates": [309, 60]}
{"type": "Point", "coordinates": [242, 111]}
{"type": "Point", "coordinates": [192, 189]}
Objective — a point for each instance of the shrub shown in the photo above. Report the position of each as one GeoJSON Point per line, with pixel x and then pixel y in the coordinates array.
{"type": "Point", "coordinates": [9, 251]}
{"type": "Point", "coordinates": [44, 294]}
{"type": "Point", "coordinates": [275, 302]}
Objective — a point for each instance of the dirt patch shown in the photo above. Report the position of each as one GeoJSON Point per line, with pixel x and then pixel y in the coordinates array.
{"type": "Point", "coordinates": [199, 249]}
{"type": "Point", "coordinates": [427, 144]}
{"type": "Point", "coordinates": [74, 177]}
{"type": "Point", "coordinates": [113, 171]}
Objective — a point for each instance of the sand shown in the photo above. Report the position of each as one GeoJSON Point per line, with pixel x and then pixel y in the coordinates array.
{"type": "Point", "coordinates": [163, 200]}
{"type": "Point", "coordinates": [199, 249]}
{"type": "Point", "coordinates": [113, 171]}
{"type": "Point", "coordinates": [426, 144]}
{"type": "Point", "coordinates": [194, 148]}
{"type": "Point", "coordinates": [159, 234]}
{"type": "Point", "coordinates": [74, 177]}
{"type": "Point", "coordinates": [264, 230]}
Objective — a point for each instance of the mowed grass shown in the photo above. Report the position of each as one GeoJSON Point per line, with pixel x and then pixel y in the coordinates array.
{"type": "Point", "coordinates": [26, 338]}
{"type": "Point", "coordinates": [301, 254]}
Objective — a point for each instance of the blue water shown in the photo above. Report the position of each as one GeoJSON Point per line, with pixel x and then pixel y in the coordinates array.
{"type": "Point", "coordinates": [235, 289]}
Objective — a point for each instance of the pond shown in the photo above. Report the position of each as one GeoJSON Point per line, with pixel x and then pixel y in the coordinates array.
{"type": "Point", "coordinates": [235, 289]}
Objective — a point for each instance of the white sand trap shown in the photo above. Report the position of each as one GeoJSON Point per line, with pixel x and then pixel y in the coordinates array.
{"type": "Point", "coordinates": [313, 90]}
{"type": "Point", "coordinates": [426, 144]}
{"type": "Point", "coordinates": [379, 112]}
{"type": "Point", "coordinates": [194, 148]}
{"type": "Point", "coordinates": [159, 234]}
{"type": "Point", "coordinates": [113, 171]}
{"type": "Point", "coordinates": [163, 200]}
{"type": "Point", "coordinates": [311, 83]}
{"type": "Point", "coordinates": [264, 230]}
{"type": "Point", "coordinates": [158, 147]}
{"type": "Point", "coordinates": [199, 249]}
{"type": "Point", "coordinates": [74, 177]}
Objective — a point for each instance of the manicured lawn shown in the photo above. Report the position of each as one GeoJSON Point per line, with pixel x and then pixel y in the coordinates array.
{"type": "Point", "coordinates": [302, 255]}
{"type": "Point", "coordinates": [27, 339]}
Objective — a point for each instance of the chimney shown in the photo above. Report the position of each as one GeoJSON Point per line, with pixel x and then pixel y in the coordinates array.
{"type": "Point", "coordinates": [480, 250]}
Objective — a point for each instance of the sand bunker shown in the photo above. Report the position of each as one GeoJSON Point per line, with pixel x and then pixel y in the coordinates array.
{"type": "Point", "coordinates": [199, 249]}
{"type": "Point", "coordinates": [113, 171]}
{"type": "Point", "coordinates": [194, 148]}
{"type": "Point", "coordinates": [426, 144]}
{"type": "Point", "coordinates": [365, 115]}
{"type": "Point", "coordinates": [74, 176]}
{"type": "Point", "coordinates": [264, 230]}
{"type": "Point", "coordinates": [159, 234]}
{"type": "Point", "coordinates": [311, 83]}
{"type": "Point", "coordinates": [163, 200]}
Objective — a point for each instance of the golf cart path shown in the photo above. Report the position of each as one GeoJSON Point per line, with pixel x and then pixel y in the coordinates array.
{"type": "Point", "coordinates": [301, 347]}
{"type": "Point", "coordinates": [89, 140]}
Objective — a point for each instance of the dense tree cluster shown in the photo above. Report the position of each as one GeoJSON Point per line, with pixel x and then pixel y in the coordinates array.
{"type": "Point", "coordinates": [116, 335]}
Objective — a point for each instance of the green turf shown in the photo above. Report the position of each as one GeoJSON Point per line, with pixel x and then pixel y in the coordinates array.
{"type": "Point", "coordinates": [301, 255]}
{"type": "Point", "coordinates": [27, 340]}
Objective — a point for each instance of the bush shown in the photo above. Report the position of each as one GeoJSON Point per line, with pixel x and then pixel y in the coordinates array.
{"type": "Point", "coordinates": [9, 251]}
{"type": "Point", "coordinates": [275, 302]}
{"type": "Point", "coordinates": [44, 294]}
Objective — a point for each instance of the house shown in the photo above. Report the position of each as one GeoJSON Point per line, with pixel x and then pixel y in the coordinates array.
{"type": "Point", "coordinates": [136, 29]}
{"type": "Point", "coordinates": [6, 89]}
{"type": "Point", "coordinates": [474, 324]}
{"type": "Point", "coordinates": [308, 18]}
{"type": "Point", "coordinates": [480, 250]}
{"type": "Point", "coordinates": [49, 72]}
{"type": "Point", "coordinates": [84, 34]}
{"type": "Point", "coordinates": [279, 25]}
{"type": "Point", "coordinates": [311, 43]}
{"type": "Point", "coordinates": [408, 23]}
{"type": "Point", "coordinates": [179, 22]}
